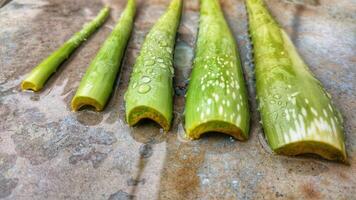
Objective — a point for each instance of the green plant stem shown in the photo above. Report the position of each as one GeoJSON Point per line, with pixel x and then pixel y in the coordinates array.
{"type": "Point", "coordinates": [150, 92]}
{"type": "Point", "coordinates": [40, 74]}
{"type": "Point", "coordinates": [217, 97]}
{"type": "Point", "coordinates": [98, 82]}
{"type": "Point", "coordinates": [297, 113]}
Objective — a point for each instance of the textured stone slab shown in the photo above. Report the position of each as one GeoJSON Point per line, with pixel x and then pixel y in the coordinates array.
{"type": "Point", "coordinates": [48, 152]}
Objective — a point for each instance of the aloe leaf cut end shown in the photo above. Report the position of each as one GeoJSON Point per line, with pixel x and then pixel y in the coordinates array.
{"type": "Point", "coordinates": [325, 150]}
{"type": "Point", "coordinates": [82, 101]}
{"type": "Point", "coordinates": [36, 79]}
{"type": "Point", "coordinates": [217, 126]}
{"type": "Point", "coordinates": [297, 113]}
{"type": "Point", "coordinates": [217, 97]}
{"type": "Point", "coordinates": [145, 112]}
{"type": "Point", "coordinates": [28, 85]}
{"type": "Point", "coordinates": [150, 92]}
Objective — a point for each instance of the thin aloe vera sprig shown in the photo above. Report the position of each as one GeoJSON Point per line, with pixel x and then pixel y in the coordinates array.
{"type": "Point", "coordinates": [36, 79]}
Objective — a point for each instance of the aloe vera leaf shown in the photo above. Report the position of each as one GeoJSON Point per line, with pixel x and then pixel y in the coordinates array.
{"type": "Point", "coordinates": [217, 96]}
{"type": "Point", "coordinates": [297, 113]}
{"type": "Point", "coordinates": [98, 82]}
{"type": "Point", "coordinates": [36, 79]}
{"type": "Point", "coordinates": [150, 92]}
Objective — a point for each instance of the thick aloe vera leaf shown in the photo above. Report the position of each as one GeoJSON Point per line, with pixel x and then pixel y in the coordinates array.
{"type": "Point", "coordinates": [98, 82]}
{"type": "Point", "coordinates": [150, 92]}
{"type": "Point", "coordinates": [40, 74]}
{"type": "Point", "coordinates": [217, 97]}
{"type": "Point", "coordinates": [297, 113]}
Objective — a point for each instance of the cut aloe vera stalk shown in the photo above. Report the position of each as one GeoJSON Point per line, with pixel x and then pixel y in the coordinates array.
{"type": "Point", "coordinates": [217, 97]}
{"type": "Point", "coordinates": [150, 92]}
{"type": "Point", "coordinates": [39, 75]}
{"type": "Point", "coordinates": [98, 82]}
{"type": "Point", "coordinates": [297, 113]}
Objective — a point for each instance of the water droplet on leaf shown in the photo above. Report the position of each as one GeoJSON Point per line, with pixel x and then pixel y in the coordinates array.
{"type": "Point", "coordinates": [149, 70]}
{"type": "Point", "coordinates": [144, 89]}
{"type": "Point", "coordinates": [134, 85]}
{"type": "Point", "coordinates": [145, 79]}
{"type": "Point", "coordinates": [150, 62]}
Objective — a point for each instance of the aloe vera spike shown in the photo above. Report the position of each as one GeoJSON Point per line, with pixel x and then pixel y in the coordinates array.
{"type": "Point", "coordinates": [150, 92]}
{"type": "Point", "coordinates": [217, 97]}
{"type": "Point", "coordinates": [36, 79]}
{"type": "Point", "coordinates": [297, 113]}
{"type": "Point", "coordinates": [98, 82]}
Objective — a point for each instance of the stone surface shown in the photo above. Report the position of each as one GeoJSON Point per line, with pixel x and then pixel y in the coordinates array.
{"type": "Point", "coordinates": [48, 152]}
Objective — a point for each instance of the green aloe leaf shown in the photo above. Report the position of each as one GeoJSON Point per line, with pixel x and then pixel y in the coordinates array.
{"type": "Point", "coordinates": [297, 113]}
{"type": "Point", "coordinates": [217, 97]}
{"type": "Point", "coordinates": [150, 92]}
{"type": "Point", "coordinates": [98, 82]}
